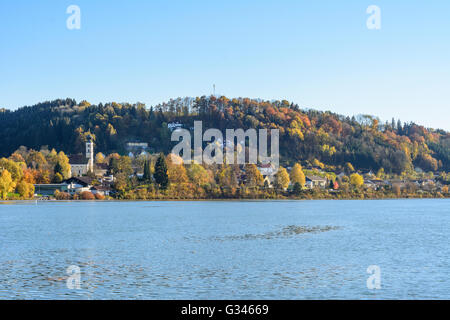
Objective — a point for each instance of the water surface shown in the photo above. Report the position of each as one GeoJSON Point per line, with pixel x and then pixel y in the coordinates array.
{"type": "Point", "coordinates": [226, 250]}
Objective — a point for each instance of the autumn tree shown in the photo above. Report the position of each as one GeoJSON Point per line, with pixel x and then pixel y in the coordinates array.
{"type": "Point", "coordinates": [87, 195]}
{"type": "Point", "coordinates": [356, 180]}
{"type": "Point", "coordinates": [297, 175]}
{"type": "Point", "coordinates": [282, 179]}
{"type": "Point", "coordinates": [199, 175]}
{"type": "Point", "coordinates": [25, 189]}
{"type": "Point", "coordinates": [99, 158]}
{"type": "Point", "coordinates": [254, 178]}
{"type": "Point", "coordinates": [36, 160]}
{"type": "Point", "coordinates": [14, 168]}
{"type": "Point", "coordinates": [6, 184]}
{"type": "Point", "coordinates": [349, 168]}
{"type": "Point", "coordinates": [58, 178]}
{"type": "Point", "coordinates": [380, 173]}
{"type": "Point", "coordinates": [176, 171]}
{"type": "Point", "coordinates": [122, 164]}
{"type": "Point", "coordinates": [226, 176]}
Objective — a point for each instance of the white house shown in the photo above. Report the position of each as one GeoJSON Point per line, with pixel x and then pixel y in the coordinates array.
{"type": "Point", "coordinates": [78, 184]}
{"type": "Point", "coordinates": [316, 182]}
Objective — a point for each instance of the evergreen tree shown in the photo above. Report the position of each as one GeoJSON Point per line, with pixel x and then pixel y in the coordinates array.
{"type": "Point", "coordinates": [147, 172]}
{"type": "Point", "coordinates": [297, 189]}
{"type": "Point", "coordinates": [161, 177]}
{"type": "Point", "coordinates": [58, 169]}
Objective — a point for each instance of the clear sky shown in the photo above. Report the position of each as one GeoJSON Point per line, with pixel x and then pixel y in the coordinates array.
{"type": "Point", "coordinates": [319, 54]}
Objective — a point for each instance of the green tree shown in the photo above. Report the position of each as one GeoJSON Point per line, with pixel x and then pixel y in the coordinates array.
{"type": "Point", "coordinates": [199, 175]}
{"type": "Point", "coordinates": [160, 175]}
{"type": "Point", "coordinates": [147, 171]}
{"type": "Point", "coordinates": [121, 165]}
{"type": "Point", "coordinates": [120, 182]}
{"type": "Point", "coordinates": [297, 189]}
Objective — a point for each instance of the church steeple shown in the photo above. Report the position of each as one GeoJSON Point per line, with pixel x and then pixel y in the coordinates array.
{"type": "Point", "coordinates": [90, 153]}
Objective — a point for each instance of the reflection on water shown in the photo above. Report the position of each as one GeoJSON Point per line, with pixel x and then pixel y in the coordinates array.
{"type": "Point", "coordinates": [285, 232]}
{"type": "Point", "coordinates": [225, 250]}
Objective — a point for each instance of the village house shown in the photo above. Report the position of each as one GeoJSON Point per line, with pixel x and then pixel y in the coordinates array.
{"type": "Point", "coordinates": [174, 125]}
{"type": "Point", "coordinates": [49, 189]}
{"type": "Point", "coordinates": [341, 175]}
{"type": "Point", "coordinates": [268, 173]}
{"type": "Point", "coordinates": [136, 145]}
{"type": "Point", "coordinates": [101, 190]}
{"type": "Point", "coordinates": [316, 182]}
{"type": "Point", "coordinates": [77, 185]}
{"type": "Point", "coordinates": [266, 169]}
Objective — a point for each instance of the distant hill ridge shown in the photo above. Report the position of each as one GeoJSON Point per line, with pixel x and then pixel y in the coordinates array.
{"type": "Point", "coordinates": [309, 136]}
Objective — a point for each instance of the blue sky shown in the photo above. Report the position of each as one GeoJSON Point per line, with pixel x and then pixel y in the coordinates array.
{"type": "Point", "coordinates": [318, 54]}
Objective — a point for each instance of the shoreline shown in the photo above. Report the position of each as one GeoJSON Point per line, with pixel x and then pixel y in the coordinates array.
{"type": "Point", "coordinates": [213, 200]}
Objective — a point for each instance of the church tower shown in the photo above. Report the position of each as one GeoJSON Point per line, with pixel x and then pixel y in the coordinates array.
{"type": "Point", "coordinates": [90, 153]}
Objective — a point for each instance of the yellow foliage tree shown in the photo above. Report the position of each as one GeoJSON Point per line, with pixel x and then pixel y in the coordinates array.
{"type": "Point", "coordinates": [199, 175]}
{"type": "Point", "coordinates": [6, 184]}
{"type": "Point", "coordinates": [254, 177]}
{"type": "Point", "coordinates": [63, 161]}
{"type": "Point", "coordinates": [317, 163]}
{"type": "Point", "coordinates": [297, 175]}
{"type": "Point", "coordinates": [282, 178]}
{"type": "Point", "coordinates": [25, 189]}
{"type": "Point", "coordinates": [99, 158]}
{"type": "Point", "coordinates": [175, 169]}
{"type": "Point", "coordinates": [356, 180]}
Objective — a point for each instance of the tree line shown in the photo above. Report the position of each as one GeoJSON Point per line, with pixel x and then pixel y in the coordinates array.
{"type": "Point", "coordinates": [306, 136]}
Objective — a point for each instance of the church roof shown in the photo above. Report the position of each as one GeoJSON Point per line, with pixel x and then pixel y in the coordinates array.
{"type": "Point", "coordinates": [78, 159]}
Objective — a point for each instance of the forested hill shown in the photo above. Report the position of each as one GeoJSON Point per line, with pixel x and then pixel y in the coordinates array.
{"type": "Point", "coordinates": [309, 136]}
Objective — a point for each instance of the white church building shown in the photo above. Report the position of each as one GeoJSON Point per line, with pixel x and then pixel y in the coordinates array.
{"type": "Point", "coordinates": [82, 164]}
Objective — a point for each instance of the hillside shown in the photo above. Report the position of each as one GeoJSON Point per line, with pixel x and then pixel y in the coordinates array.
{"type": "Point", "coordinates": [307, 136]}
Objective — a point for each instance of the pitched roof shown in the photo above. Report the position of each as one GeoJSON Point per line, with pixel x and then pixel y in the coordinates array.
{"type": "Point", "coordinates": [315, 178]}
{"type": "Point", "coordinates": [100, 188]}
{"type": "Point", "coordinates": [84, 181]}
{"type": "Point", "coordinates": [78, 159]}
